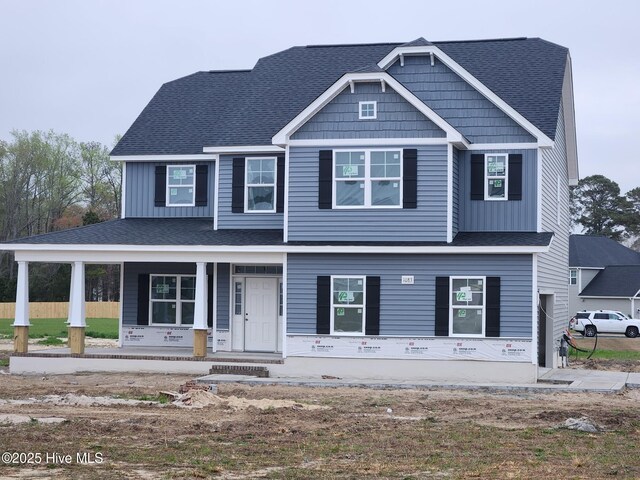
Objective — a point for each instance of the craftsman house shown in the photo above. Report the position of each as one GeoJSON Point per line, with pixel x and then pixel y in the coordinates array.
{"type": "Point", "coordinates": [381, 210]}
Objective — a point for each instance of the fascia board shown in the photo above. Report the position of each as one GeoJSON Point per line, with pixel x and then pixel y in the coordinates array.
{"type": "Point", "coordinates": [244, 149]}
{"type": "Point", "coordinates": [282, 137]}
{"type": "Point", "coordinates": [387, 61]}
{"type": "Point", "coordinates": [163, 158]}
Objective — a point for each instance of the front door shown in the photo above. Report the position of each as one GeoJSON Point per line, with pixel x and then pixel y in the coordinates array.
{"type": "Point", "coordinates": [261, 314]}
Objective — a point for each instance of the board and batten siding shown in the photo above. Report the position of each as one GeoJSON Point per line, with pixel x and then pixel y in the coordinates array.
{"type": "Point", "coordinates": [140, 193]}
{"type": "Point", "coordinates": [499, 215]}
{"type": "Point", "coordinates": [553, 267]}
{"type": "Point", "coordinates": [130, 287]}
{"type": "Point", "coordinates": [455, 195]}
{"type": "Point", "coordinates": [396, 118]}
{"type": "Point", "coordinates": [428, 222]}
{"type": "Point", "coordinates": [409, 310]}
{"type": "Point", "coordinates": [229, 220]}
{"type": "Point", "coordinates": [466, 109]}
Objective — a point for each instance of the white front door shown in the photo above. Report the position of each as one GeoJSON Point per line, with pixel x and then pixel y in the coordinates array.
{"type": "Point", "coordinates": [261, 314]}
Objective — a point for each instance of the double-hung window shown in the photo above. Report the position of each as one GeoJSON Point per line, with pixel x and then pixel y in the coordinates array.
{"type": "Point", "coordinates": [172, 299]}
{"type": "Point", "coordinates": [367, 178]}
{"type": "Point", "coordinates": [573, 276]}
{"type": "Point", "coordinates": [348, 305]}
{"type": "Point", "coordinates": [260, 185]}
{"type": "Point", "coordinates": [467, 311]}
{"type": "Point", "coordinates": [496, 175]}
{"type": "Point", "coordinates": [181, 185]}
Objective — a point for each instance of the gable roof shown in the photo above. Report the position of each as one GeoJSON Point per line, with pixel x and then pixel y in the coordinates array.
{"type": "Point", "coordinates": [614, 281]}
{"type": "Point", "coordinates": [229, 108]}
{"type": "Point", "coordinates": [598, 252]}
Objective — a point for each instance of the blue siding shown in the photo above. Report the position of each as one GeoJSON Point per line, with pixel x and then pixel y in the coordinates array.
{"type": "Point", "coordinates": [456, 193]}
{"type": "Point", "coordinates": [229, 220]}
{"type": "Point", "coordinates": [410, 309]}
{"type": "Point", "coordinates": [396, 118]}
{"type": "Point", "coordinates": [140, 193]}
{"type": "Point", "coordinates": [511, 216]}
{"type": "Point", "coordinates": [428, 222]}
{"type": "Point", "coordinates": [457, 102]}
{"type": "Point", "coordinates": [130, 287]}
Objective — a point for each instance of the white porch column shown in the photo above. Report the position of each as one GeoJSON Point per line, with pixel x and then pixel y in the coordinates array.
{"type": "Point", "coordinates": [77, 322]}
{"type": "Point", "coordinates": [21, 317]}
{"type": "Point", "coordinates": [200, 312]}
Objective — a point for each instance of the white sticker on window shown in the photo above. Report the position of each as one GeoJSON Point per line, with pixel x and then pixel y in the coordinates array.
{"type": "Point", "coordinates": [359, 282]}
{"type": "Point", "coordinates": [179, 174]}
{"type": "Point", "coordinates": [362, 157]}
{"type": "Point", "coordinates": [162, 288]}
{"type": "Point", "coordinates": [174, 191]}
{"type": "Point", "coordinates": [395, 184]}
{"type": "Point", "coordinates": [396, 156]}
{"type": "Point", "coordinates": [350, 171]}
{"type": "Point", "coordinates": [340, 312]}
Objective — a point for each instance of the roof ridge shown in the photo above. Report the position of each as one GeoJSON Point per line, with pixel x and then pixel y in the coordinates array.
{"type": "Point", "coordinates": [350, 45]}
{"type": "Point", "coordinates": [506, 39]}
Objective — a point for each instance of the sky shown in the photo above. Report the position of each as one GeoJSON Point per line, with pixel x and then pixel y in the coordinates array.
{"type": "Point", "coordinates": [88, 67]}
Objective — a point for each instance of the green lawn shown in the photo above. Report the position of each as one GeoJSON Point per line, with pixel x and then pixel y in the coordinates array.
{"type": "Point", "coordinates": [57, 327]}
{"type": "Point", "coordinates": [605, 354]}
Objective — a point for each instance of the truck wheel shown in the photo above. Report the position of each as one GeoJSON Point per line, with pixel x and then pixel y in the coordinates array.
{"type": "Point", "coordinates": [589, 331]}
{"type": "Point", "coordinates": [632, 332]}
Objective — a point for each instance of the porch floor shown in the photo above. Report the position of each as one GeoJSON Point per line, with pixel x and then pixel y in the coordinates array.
{"type": "Point", "coordinates": [159, 353]}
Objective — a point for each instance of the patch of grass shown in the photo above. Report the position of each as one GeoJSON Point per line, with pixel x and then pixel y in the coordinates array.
{"type": "Point", "coordinates": [57, 327]}
{"type": "Point", "coordinates": [4, 362]}
{"type": "Point", "coordinates": [605, 354]}
{"type": "Point", "coordinates": [51, 341]}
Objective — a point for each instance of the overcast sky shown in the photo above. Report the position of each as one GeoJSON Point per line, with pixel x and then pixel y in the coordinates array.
{"type": "Point", "coordinates": [88, 67]}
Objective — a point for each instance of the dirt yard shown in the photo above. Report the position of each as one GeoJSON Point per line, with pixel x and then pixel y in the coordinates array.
{"type": "Point", "coordinates": [66, 428]}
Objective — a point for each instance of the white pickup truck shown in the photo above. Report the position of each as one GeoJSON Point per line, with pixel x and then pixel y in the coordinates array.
{"type": "Point", "coordinates": [604, 321]}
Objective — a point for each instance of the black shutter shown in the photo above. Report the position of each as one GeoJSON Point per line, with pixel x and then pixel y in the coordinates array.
{"type": "Point", "coordinates": [237, 186]}
{"type": "Point", "coordinates": [143, 299]}
{"type": "Point", "coordinates": [210, 296]}
{"type": "Point", "coordinates": [442, 306]}
{"type": "Point", "coordinates": [372, 326]}
{"type": "Point", "coordinates": [325, 179]}
{"type": "Point", "coordinates": [515, 177]}
{"type": "Point", "coordinates": [202, 184]}
{"type": "Point", "coordinates": [323, 303]}
{"type": "Point", "coordinates": [477, 177]}
{"type": "Point", "coordinates": [410, 178]}
{"type": "Point", "coordinates": [160, 199]}
{"type": "Point", "coordinates": [280, 186]}
{"type": "Point", "coordinates": [493, 307]}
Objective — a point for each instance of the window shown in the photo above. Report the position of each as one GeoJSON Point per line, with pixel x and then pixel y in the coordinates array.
{"type": "Point", "coordinates": [172, 299]}
{"type": "Point", "coordinates": [368, 110]}
{"type": "Point", "coordinates": [258, 269]}
{"type": "Point", "coordinates": [348, 305]}
{"type": "Point", "coordinates": [467, 306]}
{"type": "Point", "coordinates": [573, 276]}
{"type": "Point", "coordinates": [237, 298]}
{"type": "Point", "coordinates": [181, 185]}
{"type": "Point", "coordinates": [496, 174]}
{"type": "Point", "coordinates": [260, 185]}
{"type": "Point", "coordinates": [367, 178]}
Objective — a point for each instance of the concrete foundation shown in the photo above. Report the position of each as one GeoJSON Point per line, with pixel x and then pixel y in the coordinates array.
{"type": "Point", "coordinates": [76, 340]}
{"type": "Point", "coordinates": [20, 339]}
{"type": "Point", "coordinates": [199, 343]}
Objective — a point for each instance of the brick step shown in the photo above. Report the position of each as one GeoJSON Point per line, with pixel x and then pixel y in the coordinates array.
{"type": "Point", "coordinates": [262, 372]}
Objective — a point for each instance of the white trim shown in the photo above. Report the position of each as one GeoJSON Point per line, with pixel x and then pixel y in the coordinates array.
{"type": "Point", "coordinates": [387, 61]}
{"type": "Point", "coordinates": [604, 298]}
{"type": "Point", "coordinates": [283, 136]}
{"type": "Point", "coordinates": [333, 305]}
{"type": "Point", "coordinates": [558, 195]}
{"type": "Point", "coordinates": [468, 307]}
{"type": "Point", "coordinates": [200, 308]}
{"type": "Point", "coordinates": [285, 224]}
{"type": "Point", "coordinates": [568, 108]}
{"type": "Point", "coordinates": [534, 309]}
{"type": "Point", "coordinates": [449, 193]}
{"type": "Point", "coordinates": [370, 142]}
{"type": "Point", "coordinates": [504, 177]}
{"type": "Point", "coordinates": [216, 193]}
{"type": "Point", "coordinates": [214, 308]}
{"type": "Point", "coordinates": [21, 314]}
{"type": "Point", "coordinates": [77, 294]}
{"type": "Point", "coordinates": [285, 293]}
{"type": "Point", "coordinates": [193, 187]}
{"type": "Point", "coordinates": [123, 190]}
{"type": "Point", "coordinates": [121, 308]}
{"type": "Point", "coordinates": [503, 146]}
{"type": "Point", "coordinates": [260, 185]}
{"type": "Point", "coordinates": [244, 149]}
{"type": "Point", "coordinates": [539, 190]}
{"type": "Point", "coordinates": [162, 158]}
{"type": "Point", "coordinates": [369, 102]}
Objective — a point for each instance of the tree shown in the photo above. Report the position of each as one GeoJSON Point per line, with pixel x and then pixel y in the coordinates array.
{"type": "Point", "coordinates": [634, 197]}
{"type": "Point", "coordinates": [598, 206]}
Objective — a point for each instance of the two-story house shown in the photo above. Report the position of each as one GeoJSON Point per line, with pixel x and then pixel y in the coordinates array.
{"type": "Point", "coordinates": [382, 210]}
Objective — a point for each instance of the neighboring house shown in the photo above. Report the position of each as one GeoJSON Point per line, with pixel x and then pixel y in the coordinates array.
{"type": "Point", "coordinates": [388, 210]}
{"type": "Point", "coordinates": [603, 275]}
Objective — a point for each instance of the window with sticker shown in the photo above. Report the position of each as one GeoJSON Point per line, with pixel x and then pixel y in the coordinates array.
{"type": "Point", "coordinates": [348, 305]}
{"type": "Point", "coordinates": [181, 187]}
{"type": "Point", "coordinates": [467, 306]}
{"type": "Point", "coordinates": [367, 178]}
{"type": "Point", "coordinates": [496, 175]}
{"type": "Point", "coordinates": [172, 299]}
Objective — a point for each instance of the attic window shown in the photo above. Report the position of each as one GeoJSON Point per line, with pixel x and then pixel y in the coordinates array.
{"type": "Point", "coordinates": [368, 110]}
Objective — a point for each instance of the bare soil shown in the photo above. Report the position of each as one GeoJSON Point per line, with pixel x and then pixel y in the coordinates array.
{"type": "Point", "coordinates": [302, 433]}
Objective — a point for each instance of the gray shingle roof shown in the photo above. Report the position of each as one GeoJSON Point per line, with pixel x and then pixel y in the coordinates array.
{"type": "Point", "coordinates": [614, 281]}
{"type": "Point", "coordinates": [598, 252]}
{"type": "Point", "coordinates": [249, 107]}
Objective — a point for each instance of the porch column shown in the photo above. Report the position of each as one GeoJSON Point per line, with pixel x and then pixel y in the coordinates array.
{"type": "Point", "coordinates": [21, 320]}
{"type": "Point", "coordinates": [77, 321]}
{"type": "Point", "coordinates": [200, 312]}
